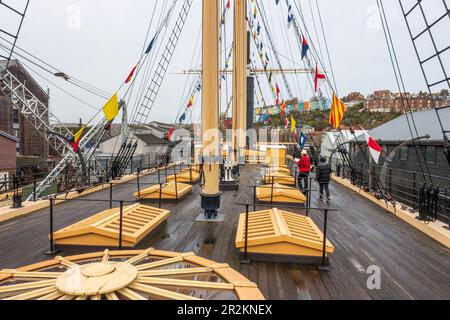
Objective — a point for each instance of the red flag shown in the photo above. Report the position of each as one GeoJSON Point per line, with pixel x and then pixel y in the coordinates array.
{"type": "Point", "coordinates": [278, 90]}
{"type": "Point", "coordinates": [228, 4]}
{"type": "Point", "coordinates": [318, 76]}
{"type": "Point", "coordinates": [170, 134]}
{"type": "Point", "coordinates": [130, 77]}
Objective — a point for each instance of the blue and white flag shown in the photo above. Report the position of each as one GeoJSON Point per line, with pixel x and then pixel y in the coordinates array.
{"type": "Point", "coordinates": [303, 141]}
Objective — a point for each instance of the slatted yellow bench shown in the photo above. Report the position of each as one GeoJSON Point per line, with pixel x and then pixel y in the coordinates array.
{"type": "Point", "coordinates": [279, 194]}
{"type": "Point", "coordinates": [102, 230]}
{"type": "Point", "coordinates": [186, 176]}
{"type": "Point", "coordinates": [169, 191]}
{"type": "Point", "coordinates": [281, 178]}
{"type": "Point", "coordinates": [277, 235]}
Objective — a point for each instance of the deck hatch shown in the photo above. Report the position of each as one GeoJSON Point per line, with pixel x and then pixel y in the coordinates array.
{"type": "Point", "coordinates": [103, 229]}
{"type": "Point", "coordinates": [279, 232]}
{"type": "Point", "coordinates": [279, 194]}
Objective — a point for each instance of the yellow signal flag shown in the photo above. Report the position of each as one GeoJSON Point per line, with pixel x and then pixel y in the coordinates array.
{"type": "Point", "coordinates": [77, 136]}
{"type": "Point", "coordinates": [338, 109]}
{"type": "Point", "coordinates": [111, 108]}
{"type": "Point", "coordinates": [293, 124]}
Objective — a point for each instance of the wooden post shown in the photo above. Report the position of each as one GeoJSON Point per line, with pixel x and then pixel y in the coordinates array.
{"type": "Point", "coordinates": [239, 79]}
{"type": "Point", "coordinates": [210, 96]}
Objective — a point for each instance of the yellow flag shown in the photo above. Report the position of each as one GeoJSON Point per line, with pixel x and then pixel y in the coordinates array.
{"type": "Point", "coordinates": [111, 108]}
{"type": "Point", "coordinates": [78, 135]}
{"type": "Point", "coordinates": [293, 124]}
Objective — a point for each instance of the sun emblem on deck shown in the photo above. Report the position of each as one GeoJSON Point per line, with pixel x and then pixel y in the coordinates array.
{"type": "Point", "coordinates": [130, 275]}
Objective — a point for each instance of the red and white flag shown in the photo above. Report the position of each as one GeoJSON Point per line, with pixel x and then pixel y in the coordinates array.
{"type": "Point", "coordinates": [374, 148]}
{"type": "Point", "coordinates": [286, 123]}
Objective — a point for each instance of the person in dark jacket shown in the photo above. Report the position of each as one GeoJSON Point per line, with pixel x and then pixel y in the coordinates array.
{"type": "Point", "coordinates": [323, 176]}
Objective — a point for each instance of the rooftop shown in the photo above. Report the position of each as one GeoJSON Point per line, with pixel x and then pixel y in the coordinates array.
{"type": "Point", "coordinates": [426, 122]}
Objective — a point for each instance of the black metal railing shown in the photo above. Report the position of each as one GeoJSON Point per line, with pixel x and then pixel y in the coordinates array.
{"type": "Point", "coordinates": [410, 188]}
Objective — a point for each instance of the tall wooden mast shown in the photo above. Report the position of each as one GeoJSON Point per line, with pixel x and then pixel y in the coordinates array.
{"type": "Point", "coordinates": [210, 108]}
{"type": "Point", "coordinates": [239, 78]}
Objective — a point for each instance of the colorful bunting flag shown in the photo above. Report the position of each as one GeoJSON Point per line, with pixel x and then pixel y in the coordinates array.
{"type": "Point", "coordinates": [293, 124]}
{"type": "Point", "coordinates": [130, 76]}
{"type": "Point", "coordinates": [338, 109]}
{"type": "Point", "coordinates": [318, 76]}
{"type": "Point", "coordinates": [111, 108]}
{"type": "Point", "coordinates": [75, 141]}
{"type": "Point", "coordinates": [305, 47]}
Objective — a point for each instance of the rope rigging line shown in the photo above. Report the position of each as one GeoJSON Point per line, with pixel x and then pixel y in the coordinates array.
{"type": "Point", "coordinates": [266, 28]}
{"type": "Point", "coordinates": [287, 40]}
{"type": "Point", "coordinates": [56, 72]}
{"type": "Point", "coordinates": [402, 88]}
{"type": "Point", "coordinates": [147, 101]}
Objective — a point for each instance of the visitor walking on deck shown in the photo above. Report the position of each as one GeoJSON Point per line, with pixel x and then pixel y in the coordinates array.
{"type": "Point", "coordinates": [304, 166]}
{"type": "Point", "coordinates": [323, 176]}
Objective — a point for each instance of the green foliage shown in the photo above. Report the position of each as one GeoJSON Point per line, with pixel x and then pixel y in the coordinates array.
{"type": "Point", "coordinates": [355, 116]}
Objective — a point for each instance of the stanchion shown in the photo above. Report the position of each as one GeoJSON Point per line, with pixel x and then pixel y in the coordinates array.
{"type": "Point", "coordinates": [34, 190]}
{"type": "Point", "coordinates": [325, 266]}
{"type": "Point", "coordinates": [246, 260]}
{"type": "Point", "coordinates": [160, 195]}
{"type": "Point", "coordinates": [121, 225]}
{"type": "Point", "coordinates": [271, 191]}
{"type": "Point", "coordinates": [138, 183]}
{"type": "Point", "coordinates": [52, 250]}
{"type": "Point", "coordinates": [254, 198]}
{"type": "Point", "coordinates": [110, 195]}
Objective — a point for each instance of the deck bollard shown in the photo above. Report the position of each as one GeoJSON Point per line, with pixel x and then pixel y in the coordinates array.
{"type": "Point", "coordinates": [52, 250]}
{"type": "Point", "coordinates": [121, 225]}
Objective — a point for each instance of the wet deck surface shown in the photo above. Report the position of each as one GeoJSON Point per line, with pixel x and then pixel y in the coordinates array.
{"type": "Point", "coordinates": [412, 265]}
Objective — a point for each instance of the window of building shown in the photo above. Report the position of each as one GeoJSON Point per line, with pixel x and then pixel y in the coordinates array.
{"type": "Point", "coordinates": [403, 154]}
{"type": "Point", "coordinates": [430, 154]}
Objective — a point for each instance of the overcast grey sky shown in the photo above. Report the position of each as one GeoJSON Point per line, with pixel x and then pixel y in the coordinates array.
{"type": "Point", "coordinates": [99, 41]}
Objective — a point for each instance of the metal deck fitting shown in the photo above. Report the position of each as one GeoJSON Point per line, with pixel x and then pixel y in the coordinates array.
{"type": "Point", "coordinates": [281, 178]}
{"type": "Point", "coordinates": [103, 229]}
{"type": "Point", "coordinates": [167, 191]}
{"type": "Point", "coordinates": [278, 193]}
{"type": "Point", "coordinates": [281, 236]}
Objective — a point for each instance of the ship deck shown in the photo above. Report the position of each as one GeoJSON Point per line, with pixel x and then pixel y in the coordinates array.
{"type": "Point", "coordinates": [412, 265]}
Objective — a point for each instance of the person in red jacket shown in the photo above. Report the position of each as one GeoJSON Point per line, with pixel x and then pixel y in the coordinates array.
{"type": "Point", "coordinates": [304, 166]}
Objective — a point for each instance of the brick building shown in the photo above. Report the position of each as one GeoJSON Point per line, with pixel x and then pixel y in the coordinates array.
{"type": "Point", "coordinates": [32, 144]}
{"type": "Point", "coordinates": [387, 101]}
{"type": "Point", "coordinates": [8, 145]}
